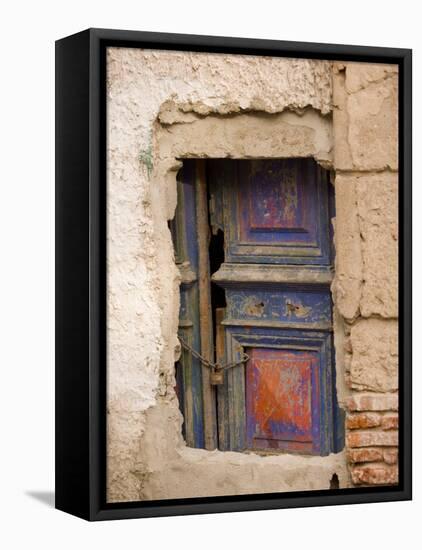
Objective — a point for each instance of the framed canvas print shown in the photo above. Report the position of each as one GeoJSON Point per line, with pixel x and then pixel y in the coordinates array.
{"type": "Point", "coordinates": [233, 274]}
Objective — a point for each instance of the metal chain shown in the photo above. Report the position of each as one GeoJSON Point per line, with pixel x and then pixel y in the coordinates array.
{"type": "Point", "coordinates": [211, 364]}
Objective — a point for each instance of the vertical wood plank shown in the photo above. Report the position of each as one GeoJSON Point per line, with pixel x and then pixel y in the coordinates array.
{"type": "Point", "coordinates": [219, 335]}
{"type": "Point", "coordinates": [185, 242]}
{"type": "Point", "coordinates": [220, 353]}
{"type": "Point", "coordinates": [205, 315]}
{"type": "Point", "coordinates": [236, 394]}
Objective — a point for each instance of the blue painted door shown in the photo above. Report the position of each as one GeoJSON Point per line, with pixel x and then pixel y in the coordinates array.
{"type": "Point", "coordinates": [274, 217]}
{"type": "Point", "coordinates": [188, 368]}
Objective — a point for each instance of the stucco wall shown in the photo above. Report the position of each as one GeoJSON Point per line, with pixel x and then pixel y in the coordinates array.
{"type": "Point", "coordinates": [167, 105]}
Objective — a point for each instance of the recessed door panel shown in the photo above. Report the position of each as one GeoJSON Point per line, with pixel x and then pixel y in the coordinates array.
{"type": "Point", "coordinates": [280, 305]}
{"type": "Point", "coordinates": [275, 202]}
{"type": "Point", "coordinates": [277, 212]}
{"type": "Point", "coordinates": [282, 400]}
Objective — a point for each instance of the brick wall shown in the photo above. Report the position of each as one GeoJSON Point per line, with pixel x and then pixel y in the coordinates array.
{"type": "Point", "coordinates": [372, 438]}
{"type": "Point", "coordinates": [365, 289]}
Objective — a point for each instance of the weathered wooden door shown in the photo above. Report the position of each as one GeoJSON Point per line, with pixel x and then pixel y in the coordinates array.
{"type": "Point", "coordinates": [269, 297]}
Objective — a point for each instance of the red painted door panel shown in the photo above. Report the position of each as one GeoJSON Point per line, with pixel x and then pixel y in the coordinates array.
{"type": "Point", "coordinates": [282, 399]}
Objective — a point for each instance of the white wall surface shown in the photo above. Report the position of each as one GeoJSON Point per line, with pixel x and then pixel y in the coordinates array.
{"type": "Point", "coordinates": [29, 29]}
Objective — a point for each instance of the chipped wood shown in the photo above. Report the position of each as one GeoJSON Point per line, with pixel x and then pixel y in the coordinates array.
{"type": "Point", "coordinates": [205, 316]}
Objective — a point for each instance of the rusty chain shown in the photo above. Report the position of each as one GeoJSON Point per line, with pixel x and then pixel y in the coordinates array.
{"type": "Point", "coordinates": [211, 364]}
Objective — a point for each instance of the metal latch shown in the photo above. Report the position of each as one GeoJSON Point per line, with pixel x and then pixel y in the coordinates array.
{"type": "Point", "coordinates": [216, 376]}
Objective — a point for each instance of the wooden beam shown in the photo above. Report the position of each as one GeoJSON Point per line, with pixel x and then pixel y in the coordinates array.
{"type": "Point", "coordinates": [205, 313]}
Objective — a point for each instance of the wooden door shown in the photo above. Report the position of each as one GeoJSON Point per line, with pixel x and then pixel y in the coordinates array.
{"type": "Point", "coordinates": [275, 216]}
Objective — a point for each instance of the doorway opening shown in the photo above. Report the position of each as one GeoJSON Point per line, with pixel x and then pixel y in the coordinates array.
{"type": "Point", "coordinates": [253, 243]}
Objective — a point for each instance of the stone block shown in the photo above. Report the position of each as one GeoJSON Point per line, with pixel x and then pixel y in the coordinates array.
{"type": "Point", "coordinates": [347, 287]}
{"type": "Point", "coordinates": [366, 241]}
{"type": "Point", "coordinates": [377, 205]}
{"type": "Point", "coordinates": [374, 364]}
{"type": "Point", "coordinates": [365, 116]}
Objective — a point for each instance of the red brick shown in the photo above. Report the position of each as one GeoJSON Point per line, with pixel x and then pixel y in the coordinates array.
{"type": "Point", "coordinates": [390, 422]}
{"type": "Point", "coordinates": [373, 402]}
{"type": "Point", "coordinates": [365, 455]}
{"type": "Point", "coordinates": [375, 475]}
{"type": "Point", "coordinates": [372, 438]}
{"type": "Point", "coordinates": [363, 420]}
{"type": "Point", "coordinates": [391, 455]}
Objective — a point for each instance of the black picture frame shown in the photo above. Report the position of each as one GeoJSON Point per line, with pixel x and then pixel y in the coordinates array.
{"type": "Point", "coordinates": [81, 273]}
